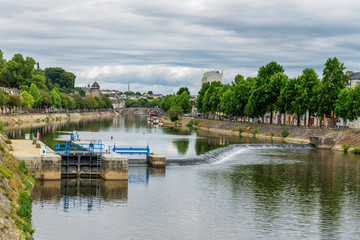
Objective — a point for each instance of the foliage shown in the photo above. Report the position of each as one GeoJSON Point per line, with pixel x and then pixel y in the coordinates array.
{"type": "Point", "coordinates": [28, 100]}
{"type": "Point", "coordinates": [174, 113]}
{"type": "Point", "coordinates": [345, 147]}
{"type": "Point", "coordinates": [181, 90]}
{"type": "Point", "coordinates": [356, 150]}
{"type": "Point", "coordinates": [284, 133]}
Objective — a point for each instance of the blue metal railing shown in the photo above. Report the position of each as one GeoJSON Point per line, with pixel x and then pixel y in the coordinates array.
{"type": "Point", "coordinates": [74, 136]}
{"type": "Point", "coordinates": [130, 150]}
{"type": "Point", "coordinates": [70, 148]}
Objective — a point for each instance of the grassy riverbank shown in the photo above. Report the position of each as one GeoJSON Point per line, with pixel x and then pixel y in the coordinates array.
{"type": "Point", "coordinates": [16, 184]}
{"type": "Point", "coordinates": [280, 133]}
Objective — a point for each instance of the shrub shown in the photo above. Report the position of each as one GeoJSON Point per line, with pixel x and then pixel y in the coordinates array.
{"type": "Point", "coordinates": [38, 145]}
{"type": "Point", "coordinates": [255, 131]}
{"type": "Point", "coordinates": [23, 168]}
{"type": "Point", "coordinates": [356, 150]}
{"type": "Point", "coordinates": [8, 141]}
{"type": "Point", "coordinates": [240, 130]}
{"type": "Point", "coordinates": [25, 201]}
{"type": "Point", "coordinates": [284, 133]}
{"type": "Point", "coordinates": [345, 147]}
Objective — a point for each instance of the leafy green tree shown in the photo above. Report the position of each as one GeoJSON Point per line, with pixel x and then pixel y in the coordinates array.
{"type": "Point", "coordinates": [181, 90]}
{"type": "Point", "coordinates": [138, 93]}
{"type": "Point", "coordinates": [260, 100]}
{"type": "Point", "coordinates": [101, 104]}
{"type": "Point", "coordinates": [35, 93]}
{"type": "Point", "coordinates": [334, 80]}
{"type": "Point", "coordinates": [28, 100]}
{"type": "Point", "coordinates": [58, 77]}
{"type": "Point", "coordinates": [64, 98]}
{"type": "Point", "coordinates": [241, 93]}
{"type": "Point", "coordinates": [91, 102]}
{"type": "Point", "coordinates": [19, 71]}
{"type": "Point", "coordinates": [200, 98]}
{"type": "Point", "coordinates": [55, 97]}
{"type": "Point", "coordinates": [354, 105]}
{"type": "Point", "coordinates": [175, 112]}
{"type": "Point", "coordinates": [4, 99]}
{"type": "Point", "coordinates": [150, 93]}
{"type": "Point", "coordinates": [276, 84]}
{"type": "Point", "coordinates": [107, 102]}
{"type": "Point", "coordinates": [46, 98]}
{"type": "Point", "coordinates": [343, 106]}
{"type": "Point", "coordinates": [79, 101]}
{"type": "Point", "coordinates": [165, 103]}
{"type": "Point", "coordinates": [39, 78]}
{"type": "Point", "coordinates": [2, 70]}
{"type": "Point", "coordinates": [225, 101]}
{"type": "Point", "coordinates": [184, 102]}
{"type": "Point", "coordinates": [15, 100]}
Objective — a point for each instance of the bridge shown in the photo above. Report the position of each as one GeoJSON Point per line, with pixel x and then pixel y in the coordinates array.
{"type": "Point", "coordinates": [134, 110]}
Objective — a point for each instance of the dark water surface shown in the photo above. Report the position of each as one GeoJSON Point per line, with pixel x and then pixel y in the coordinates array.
{"type": "Point", "coordinates": [209, 190]}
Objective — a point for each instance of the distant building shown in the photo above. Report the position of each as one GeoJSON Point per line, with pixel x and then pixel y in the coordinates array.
{"type": "Point", "coordinates": [11, 91]}
{"type": "Point", "coordinates": [212, 76]}
{"type": "Point", "coordinates": [93, 91]}
{"type": "Point", "coordinates": [354, 78]}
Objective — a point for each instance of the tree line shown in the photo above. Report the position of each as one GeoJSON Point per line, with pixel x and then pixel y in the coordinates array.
{"type": "Point", "coordinates": [40, 88]}
{"type": "Point", "coordinates": [272, 90]}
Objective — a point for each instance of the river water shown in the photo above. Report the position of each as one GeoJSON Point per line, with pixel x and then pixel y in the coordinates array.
{"type": "Point", "coordinates": [214, 187]}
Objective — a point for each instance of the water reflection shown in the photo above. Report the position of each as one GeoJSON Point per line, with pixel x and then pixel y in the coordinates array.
{"type": "Point", "coordinates": [321, 186]}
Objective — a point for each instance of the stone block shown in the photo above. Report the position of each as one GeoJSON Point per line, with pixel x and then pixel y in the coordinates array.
{"type": "Point", "coordinates": [114, 167]}
{"type": "Point", "coordinates": [156, 161]}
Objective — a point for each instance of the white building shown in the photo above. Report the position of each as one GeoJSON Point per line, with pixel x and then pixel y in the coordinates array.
{"type": "Point", "coordinates": [212, 76]}
{"type": "Point", "coordinates": [354, 79]}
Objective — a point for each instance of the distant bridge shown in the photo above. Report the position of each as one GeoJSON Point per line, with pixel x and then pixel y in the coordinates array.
{"type": "Point", "coordinates": [133, 110]}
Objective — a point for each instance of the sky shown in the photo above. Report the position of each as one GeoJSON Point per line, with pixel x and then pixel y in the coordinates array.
{"type": "Point", "coordinates": [162, 45]}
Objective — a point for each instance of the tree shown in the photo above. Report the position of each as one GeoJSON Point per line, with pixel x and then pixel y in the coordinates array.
{"type": "Point", "coordinates": [91, 102]}
{"type": "Point", "coordinates": [138, 93]}
{"type": "Point", "coordinates": [343, 106]}
{"type": "Point", "coordinates": [241, 93]}
{"type": "Point", "coordinates": [58, 77]}
{"type": "Point", "coordinates": [200, 98]}
{"type": "Point", "coordinates": [55, 97]}
{"type": "Point", "coordinates": [184, 102]}
{"type": "Point", "coordinates": [14, 101]}
{"type": "Point", "coordinates": [35, 93]}
{"type": "Point", "coordinates": [2, 70]}
{"type": "Point", "coordinates": [19, 71]}
{"type": "Point", "coordinates": [175, 112]}
{"type": "Point", "coordinates": [334, 80]}
{"type": "Point", "coordinates": [107, 102]}
{"type": "Point", "coordinates": [39, 79]}
{"type": "Point", "coordinates": [260, 101]}
{"type": "Point", "coordinates": [276, 84]}
{"type": "Point", "coordinates": [28, 100]}
{"type": "Point", "coordinates": [4, 99]}
{"type": "Point", "coordinates": [150, 93]}
{"type": "Point", "coordinates": [181, 90]}
{"type": "Point", "coordinates": [46, 98]}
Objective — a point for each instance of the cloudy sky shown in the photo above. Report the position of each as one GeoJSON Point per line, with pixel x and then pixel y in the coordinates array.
{"type": "Point", "coordinates": [161, 45]}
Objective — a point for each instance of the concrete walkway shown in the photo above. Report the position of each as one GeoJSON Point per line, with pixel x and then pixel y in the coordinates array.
{"type": "Point", "coordinates": [24, 148]}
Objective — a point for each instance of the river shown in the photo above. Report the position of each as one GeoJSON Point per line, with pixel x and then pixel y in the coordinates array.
{"type": "Point", "coordinates": [214, 187]}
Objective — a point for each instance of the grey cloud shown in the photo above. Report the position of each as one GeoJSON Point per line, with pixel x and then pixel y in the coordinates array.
{"type": "Point", "coordinates": [237, 36]}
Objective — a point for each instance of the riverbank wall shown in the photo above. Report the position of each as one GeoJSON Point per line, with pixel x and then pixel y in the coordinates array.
{"type": "Point", "coordinates": [323, 138]}
{"type": "Point", "coordinates": [18, 119]}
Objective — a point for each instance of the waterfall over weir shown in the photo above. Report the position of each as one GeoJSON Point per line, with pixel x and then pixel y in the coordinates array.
{"type": "Point", "coordinates": [220, 155]}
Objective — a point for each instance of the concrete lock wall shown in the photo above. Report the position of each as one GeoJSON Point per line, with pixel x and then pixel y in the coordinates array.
{"type": "Point", "coordinates": [114, 167]}
{"type": "Point", "coordinates": [156, 161]}
{"type": "Point", "coordinates": [47, 167]}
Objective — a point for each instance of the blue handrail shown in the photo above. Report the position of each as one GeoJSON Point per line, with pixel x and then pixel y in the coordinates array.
{"type": "Point", "coordinates": [69, 148]}
{"type": "Point", "coordinates": [130, 150]}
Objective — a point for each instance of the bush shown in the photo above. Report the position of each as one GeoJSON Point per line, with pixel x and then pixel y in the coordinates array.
{"type": "Point", "coordinates": [240, 130]}
{"type": "Point", "coordinates": [255, 131]}
{"type": "Point", "coordinates": [25, 205]}
{"type": "Point", "coordinates": [284, 133]}
{"type": "Point", "coordinates": [356, 150]}
{"type": "Point", "coordinates": [38, 145]}
{"type": "Point", "coordinates": [8, 141]}
{"type": "Point", "coordinates": [23, 168]}
{"type": "Point", "coordinates": [345, 147]}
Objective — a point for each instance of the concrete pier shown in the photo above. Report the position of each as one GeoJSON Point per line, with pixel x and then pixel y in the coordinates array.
{"type": "Point", "coordinates": [156, 161]}
{"type": "Point", "coordinates": [114, 167]}
{"type": "Point", "coordinates": [44, 167]}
